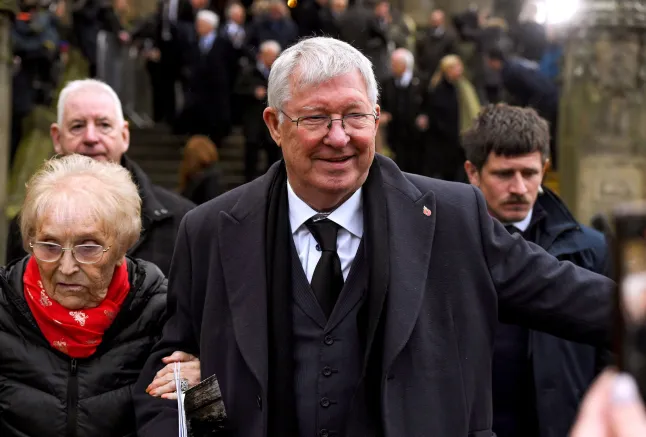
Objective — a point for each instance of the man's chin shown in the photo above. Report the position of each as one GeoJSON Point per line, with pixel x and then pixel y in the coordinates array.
{"type": "Point", "coordinates": [513, 214]}
{"type": "Point", "coordinates": [102, 158]}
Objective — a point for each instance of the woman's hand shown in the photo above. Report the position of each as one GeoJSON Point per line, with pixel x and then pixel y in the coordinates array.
{"type": "Point", "coordinates": [164, 383]}
{"type": "Point", "coordinates": [612, 408]}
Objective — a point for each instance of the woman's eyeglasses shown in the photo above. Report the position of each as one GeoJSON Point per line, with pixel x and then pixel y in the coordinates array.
{"type": "Point", "coordinates": [83, 253]}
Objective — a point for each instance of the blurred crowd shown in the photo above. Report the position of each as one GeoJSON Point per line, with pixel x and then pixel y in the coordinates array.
{"type": "Point", "coordinates": [208, 62]}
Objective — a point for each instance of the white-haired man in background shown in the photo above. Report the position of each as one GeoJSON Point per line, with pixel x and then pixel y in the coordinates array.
{"type": "Point", "coordinates": [207, 106]}
{"type": "Point", "coordinates": [251, 90]}
{"type": "Point", "coordinates": [401, 100]}
{"type": "Point", "coordinates": [90, 122]}
{"type": "Point", "coordinates": [337, 295]}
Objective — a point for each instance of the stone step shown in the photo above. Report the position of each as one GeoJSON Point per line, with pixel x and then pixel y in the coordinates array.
{"type": "Point", "coordinates": [159, 153]}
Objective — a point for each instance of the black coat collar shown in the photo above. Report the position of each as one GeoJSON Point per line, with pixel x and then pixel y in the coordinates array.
{"type": "Point", "coordinates": [152, 210]}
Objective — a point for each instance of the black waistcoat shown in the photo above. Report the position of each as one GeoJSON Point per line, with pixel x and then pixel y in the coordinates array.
{"type": "Point", "coordinates": [328, 355]}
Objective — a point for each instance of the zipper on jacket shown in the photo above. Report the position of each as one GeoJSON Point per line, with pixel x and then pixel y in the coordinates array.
{"type": "Point", "coordinates": [72, 399]}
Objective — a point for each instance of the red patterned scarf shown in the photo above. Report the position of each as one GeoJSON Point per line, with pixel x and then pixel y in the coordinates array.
{"type": "Point", "coordinates": [75, 333]}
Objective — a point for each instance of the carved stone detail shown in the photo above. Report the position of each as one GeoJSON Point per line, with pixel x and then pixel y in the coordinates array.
{"type": "Point", "coordinates": [603, 105]}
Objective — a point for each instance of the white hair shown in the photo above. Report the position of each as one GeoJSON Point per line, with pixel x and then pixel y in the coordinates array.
{"type": "Point", "coordinates": [64, 185]}
{"type": "Point", "coordinates": [75, 86]}
{"type": "Point", "coordinates": [318, 60]}
{"type": "Point", "coordinates": [209, 17]}
{"type": "Point", "coordinates": [407, 56]}
{"type": "Point", "coordinates": [270, 45]}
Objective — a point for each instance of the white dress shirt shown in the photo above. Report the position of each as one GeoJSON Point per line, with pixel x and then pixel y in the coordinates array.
{"type": "Point", "coordinates": [405, 79]}
{"type": "Point", "coordinates": [349, 216]}
{"type": "Point", "coordinates": [524, 223]}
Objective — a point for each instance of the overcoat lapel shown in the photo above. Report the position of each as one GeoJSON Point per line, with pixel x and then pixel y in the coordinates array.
{"type": "Point", "coordinates": [242, 245]}
{"type": "Point", "coordinates": [411, 218]}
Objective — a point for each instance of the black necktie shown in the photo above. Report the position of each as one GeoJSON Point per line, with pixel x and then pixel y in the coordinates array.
{"type": "Point", "coordinates": [327, 281]}
{"type": "Point", "coordinates": [513, 229]}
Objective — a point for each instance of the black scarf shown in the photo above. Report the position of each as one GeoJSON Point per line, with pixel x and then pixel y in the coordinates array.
{"type": "Point", "coordinates": [282, 407]}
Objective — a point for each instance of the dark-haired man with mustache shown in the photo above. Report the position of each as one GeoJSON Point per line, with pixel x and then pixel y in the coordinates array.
{"type": "Point", "coordinates": [538, 379]}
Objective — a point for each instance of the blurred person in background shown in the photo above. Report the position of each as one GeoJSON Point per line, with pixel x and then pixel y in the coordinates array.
{"type": "Point", "coordinates": [90, 122]}
{"type": "Point", "coordinates": [207, 106]}
{"type": "Point", "coordinates": [330, 18]}
{"type": "Point", "coordinates": [450, 107]}
{"type": "Point", "coordinates": [88, 18]}
{"type": "Point", "coordinates": [234, 28]}
{"type": "Point", "coordinates": [551, 62]}
{"type": "Point", "coordinates": [235, 31]}
{"type": "Point", "coordinates": [174, 34]}
{"type": "Point", "coordinates": [528, 35]}
{"type": "Point", "coordinates": [78, 318]}
{"type": "Point", "coordinates": [199, 172]}
{"type": "Point", "coordinates": [251, 90]}
{"type": "Point", "coordinates": [275, 25]}
{"type": "Point", "coordinates": [528, 86]}
{"type": "Point", "coordinates": [401, 101]}
{"type": "Point", "coordinates": [435, 43]}
{"type": "Point", "coordinates": [308, 17]}
{"type": "Point", "coordinates": [35, 44]}
{"type": "Point", "coordinates": [379, 44]}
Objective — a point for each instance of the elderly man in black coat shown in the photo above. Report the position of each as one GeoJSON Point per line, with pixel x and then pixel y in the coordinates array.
{"type": "Point", "coordinates": [90, 122]}
{"type": "Point", "coordinates": [336, 295]}
{"type": "Point", "coordinates": [251, 90]}
{"type": "Point", "coordinates": [401, 103]}
{"type": "Point", "coordinates": [207, 106]}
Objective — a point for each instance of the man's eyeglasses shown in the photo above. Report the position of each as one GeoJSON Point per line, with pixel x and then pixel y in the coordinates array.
{"type": "Point", "coordinates": [83, 253]}
{"type": "Point", "coordinates": [353, 122]}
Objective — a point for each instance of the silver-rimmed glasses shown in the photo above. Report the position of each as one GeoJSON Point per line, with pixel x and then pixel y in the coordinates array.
{"type": "Point", "coordinates": [319, 123]}
{"type": "Point", "coordinates": [83, 253]}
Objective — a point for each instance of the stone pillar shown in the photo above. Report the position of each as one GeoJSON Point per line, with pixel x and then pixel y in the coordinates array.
{"type": "Point", "coordinates": [602, 133]}
{"type": "Point", "coordinates": [7, 10]}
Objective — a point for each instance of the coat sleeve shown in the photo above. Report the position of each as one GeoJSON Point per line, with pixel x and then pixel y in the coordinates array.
{"type": "Point", "coordinates": [158, 417]}
{"type": "Point", "coordinates": [537, 291]}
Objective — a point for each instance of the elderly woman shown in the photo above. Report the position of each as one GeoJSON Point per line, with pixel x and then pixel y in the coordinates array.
{"type": "Point", "coordinates": [77, 318]}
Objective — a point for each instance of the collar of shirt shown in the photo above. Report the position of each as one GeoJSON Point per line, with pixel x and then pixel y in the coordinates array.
{"type": "Point", "coordinates": [207, 40]}
{"type": "Point", "coordinates": [524, 223]}
{"type": "Point", "coordinates": [405, 78]}
{"type": "Point", "coordinates": [349, 215]}
{"type": "Point", "coordinates": [232, 27]}
{"type": "Point", "coordinates": [263, 69]}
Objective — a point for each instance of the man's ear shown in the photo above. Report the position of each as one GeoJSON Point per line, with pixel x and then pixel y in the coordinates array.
{"type": "Point", "coordinates": [546, 167]}
{"type": "Point", "coordinates": [378, 114]}
{"type": "Point", "coordinates": [472, 173]}
{"type": "Point", "coordinates": [270, 115]}
{"type": "Point", "coordinates": [125, 133]}
{"type": "Point", "coordinates": [55, 135]}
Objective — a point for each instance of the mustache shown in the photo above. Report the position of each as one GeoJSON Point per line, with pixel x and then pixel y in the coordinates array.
{"type": "Point", "coordinates": [516, 200]}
